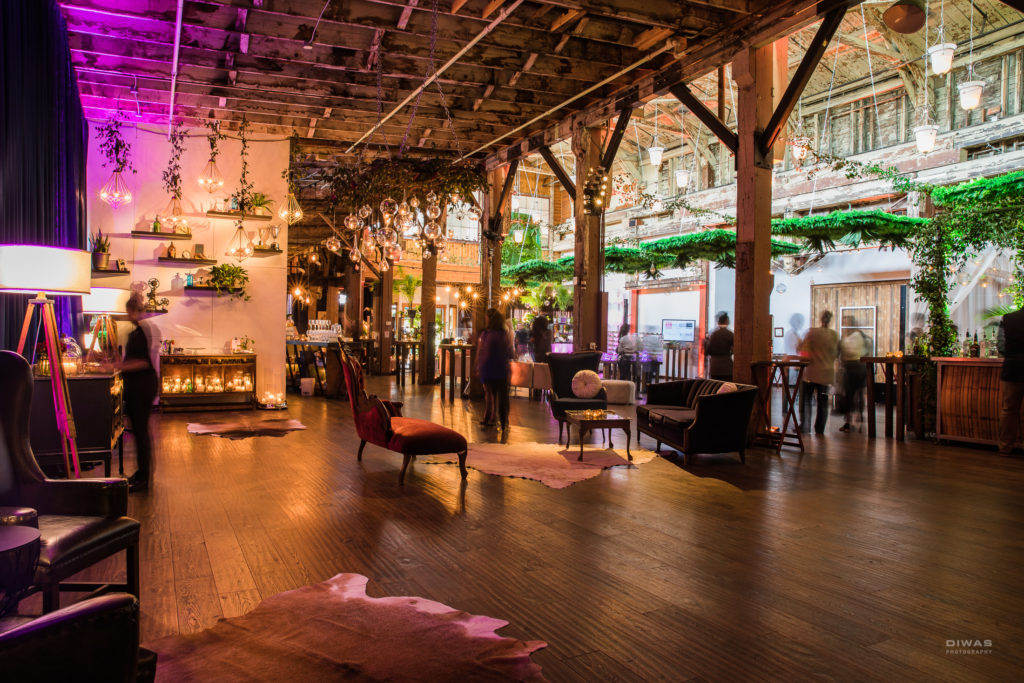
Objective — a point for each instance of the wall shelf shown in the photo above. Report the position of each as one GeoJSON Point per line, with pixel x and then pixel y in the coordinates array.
{"type": "Point", "coordinates": [142, 234]}
{"type": "Point", "coordinates": [207, 288]}
{"type": "Point", "coordinates": [109, 272]}
{"type": "Point", "coordinates": [236, 215]}
{"type": "Point", "coordinates": [266, 251]}
{"type": "Point", "coordinates": [188, 261]}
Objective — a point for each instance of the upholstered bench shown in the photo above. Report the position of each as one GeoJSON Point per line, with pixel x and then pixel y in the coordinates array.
{"type": "Point", "coordinates": [620, 391]}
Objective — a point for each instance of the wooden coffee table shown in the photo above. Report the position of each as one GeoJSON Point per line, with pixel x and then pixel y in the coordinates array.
{"type": "Point", "coordinates": [587, 421]}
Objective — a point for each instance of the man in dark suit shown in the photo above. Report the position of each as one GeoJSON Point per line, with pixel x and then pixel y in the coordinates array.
{"type": "Point", "coordinates": [718, 347]}
{"type": "Point", "coordinates": [1011, 346]}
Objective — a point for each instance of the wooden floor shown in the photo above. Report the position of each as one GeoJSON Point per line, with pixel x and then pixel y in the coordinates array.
{"type": "Point", "coordinates": [856, 561]}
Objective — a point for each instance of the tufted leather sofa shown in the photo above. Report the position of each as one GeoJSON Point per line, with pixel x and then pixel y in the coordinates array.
{"type": "Point", "coordinates": [692, 417]}
{"type": "Point", "coordinates": [81, 521]}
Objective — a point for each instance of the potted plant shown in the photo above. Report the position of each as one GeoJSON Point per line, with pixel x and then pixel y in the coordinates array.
{"type": "Point", "coordinates": [228, 279]}
{"type": "Point", "coordinates": [100, 247]}
{"type": "Point", "coordinates": [260, 203]}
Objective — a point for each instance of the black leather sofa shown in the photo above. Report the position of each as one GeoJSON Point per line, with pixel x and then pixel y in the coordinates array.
{"type": "Point", "coordinates": [692, 417]}
{"type": "Point", "coordinates": [564, 367]}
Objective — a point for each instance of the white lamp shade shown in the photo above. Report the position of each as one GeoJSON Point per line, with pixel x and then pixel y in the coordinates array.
{"type": "Point", "coordinates": [682, 178]}
{"type": "Point", "coordinates": [655, 154]}
{"type": "Point", "coordinates": [925, 137]}
{"type": "Point", "coordinates": [518, 235]}
{"type": "Point", "coordinates": [32, 269]}
{"type": "Point", "coordinates": [106, 301]}
{"type": "Point", "coordinates": [970, 94]}
{"type": "Point", "coordinates": [941, 56]}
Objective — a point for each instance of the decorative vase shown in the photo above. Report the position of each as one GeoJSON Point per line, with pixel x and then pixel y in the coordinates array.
{"type": "Point", "coordinates": [100, 260]}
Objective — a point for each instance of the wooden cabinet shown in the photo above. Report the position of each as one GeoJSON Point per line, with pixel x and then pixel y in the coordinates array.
{"type": "Point", "coordinates": [96, 401]}
{"type": "Point", "coordinates": [969, 399]}
{"type": "Point", "coordinates": [208, 382]}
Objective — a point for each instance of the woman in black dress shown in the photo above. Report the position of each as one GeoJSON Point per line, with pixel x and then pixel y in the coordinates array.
{"type": "Point", "coordinates": [140, 389]}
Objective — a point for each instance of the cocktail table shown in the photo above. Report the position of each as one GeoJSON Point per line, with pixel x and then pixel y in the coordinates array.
{"type": "Point", "coordinates": [19, 552]}
{"type": "Point", "coordinates": [588, 420]}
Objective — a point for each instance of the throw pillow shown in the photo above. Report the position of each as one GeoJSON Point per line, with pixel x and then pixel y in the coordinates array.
{"type": "Point", "coordinates": [727, 388]}
{"type": "Point", "coordinates": [586, 384]}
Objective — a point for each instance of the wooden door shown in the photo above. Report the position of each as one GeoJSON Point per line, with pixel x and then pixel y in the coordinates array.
{"type": "Point", "coordinates": [885, 297]}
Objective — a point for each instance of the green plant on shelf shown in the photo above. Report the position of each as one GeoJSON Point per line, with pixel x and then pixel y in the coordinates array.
{"type": "Point", "coordinates": [99, 243]}
{"type": "Point", "coordinates": [258, 200]}
{"type": "Point", "coordinates": [231, 280]}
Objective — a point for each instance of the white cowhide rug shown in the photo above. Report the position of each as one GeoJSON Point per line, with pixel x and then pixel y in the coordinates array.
{"type": "Point", "coordinates": [243, 428]}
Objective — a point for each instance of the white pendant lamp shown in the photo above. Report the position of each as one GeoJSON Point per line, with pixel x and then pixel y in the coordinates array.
{"type": "Point", "coordinates": [655, 152]}
{"type": "Point", "coordinates": [972, 88]}
{"type": "Point", "coordinates": [941, 57]}
{"type": "Point", "coordinates": [924, 136]}
{"type": "Point", "coordinates": [682, 178]}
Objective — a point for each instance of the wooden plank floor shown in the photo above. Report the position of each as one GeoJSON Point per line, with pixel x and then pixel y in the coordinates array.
{"type": "Point", "coordinates": [856, 561]}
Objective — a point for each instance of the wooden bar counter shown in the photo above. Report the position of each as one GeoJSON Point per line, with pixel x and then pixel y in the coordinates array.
{"type": "Point", "coordinates": [969, 399]}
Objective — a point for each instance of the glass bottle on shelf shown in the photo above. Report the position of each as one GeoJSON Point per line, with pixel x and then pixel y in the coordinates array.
{"type": "Point", "coordinates": [975, 347]}
{"type": "Point", "coordinates": [188, 280]}
{"type": "Point", "coordinates": [965, 347]}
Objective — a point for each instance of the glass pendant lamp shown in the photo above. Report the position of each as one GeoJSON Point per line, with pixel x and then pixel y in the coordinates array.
{"type": "Point", "coordinates": [240, 246]}
{"type": "Point", "coordinates": [291, 212]}
{"type": "Point", "coordinates": [115, 192]}
{"type": "Point", "coordinates": [210, 179]}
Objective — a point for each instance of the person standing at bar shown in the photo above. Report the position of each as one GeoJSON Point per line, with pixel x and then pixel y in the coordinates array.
{"type": "Point", "coordinates": [821, 348]}
{"type": "Point", "coordinates": [718, 347]}
{"type": "Point", "coordinates": [140, 389]}
{"type": "Point", "coordinates": [853, 346]}
{"type": "Point", "coordinates": [493, 356]}
{"type": "Point", "coordinates": [1011, 346]}
{"type": "Point", "coordinates": [540, 337]}
{"type": "Point", "coordinates": [629, 346]}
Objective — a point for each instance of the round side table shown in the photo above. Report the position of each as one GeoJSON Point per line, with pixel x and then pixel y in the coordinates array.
{"type": "Point", "coordinates": [19, 552]}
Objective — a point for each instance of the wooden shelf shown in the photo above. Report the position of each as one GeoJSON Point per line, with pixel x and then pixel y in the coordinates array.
{"type": "Point", "coordinates": [188, 261]}
{"type": "Point", "coordinates": [141, 234]}
{"type": "Point", "coordinates": [206, 288]}
{"type": "Point", "coordinates": [266, 251]}
{"type": "Point", "coordinates": [235, 215]}
{"type": "Point", "coordinates": [107, 272]}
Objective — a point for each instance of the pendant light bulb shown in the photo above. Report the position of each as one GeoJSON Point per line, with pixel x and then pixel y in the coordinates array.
{"type": "Point", "coordinates": [291, 212]}
{"type": "Point", "coordinates": [116, 192]}
{"type": "Point", "coordinates": [210, 179]}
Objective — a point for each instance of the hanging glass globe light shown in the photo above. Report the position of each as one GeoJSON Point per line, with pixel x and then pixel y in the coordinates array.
{"type": "Point", "coordinates": [388, 206]}
{"type": "Point", "coordinates": [210, 179]}
{"type": "Point", "coordinates": [970, 94]}
{"type": "Point", "coordinates": [414, 202]}
{"type": "Point", "coordinates": [474, 213]}
{"type": "Point", "coordinates": [116, 192]}
{"type": "Point", "coordinates": [291, 212]}
{"type": "Point", "coordinates": [941, 57]}
{"type": "Point", "coordinates": [365, 211]}
{"type": "Point", "coordinates": [351, 222]}
{"type": "Point", "coordinates": [924, 136]}
{"type": "Point", "coordinates": [354, 255]}
{"type": "Point", "coordinates": [427, 252]}
{"type": "Point", "coordinates": [682, 178]}
{"type": "Point", "coordinates": [240, 246]}
{"type": "Point", "coordinates": [394, 252]}
{"type": "Point", "coordinates": [433, 212]}
{"type": "Point", "coordinates": [403, 209]}
{"type": "Point", "coordinates": [384, 266]}
{"type": "Point", "coordinates": [333, 243]}
{"type": "Point", "coordinates": [460, 214]}
{"type": "Point", "coordinates": [432, 230]}
{"type": "Point", "coordinates": [431, 197]}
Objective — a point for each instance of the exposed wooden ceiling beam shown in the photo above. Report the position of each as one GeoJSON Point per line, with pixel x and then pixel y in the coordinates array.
{"type": "Point", "coordinates": [616, 138]}
{"type": "Point", "coordinates": [567, 184]}
{"type": "Point", "coordinates": [706, 116]}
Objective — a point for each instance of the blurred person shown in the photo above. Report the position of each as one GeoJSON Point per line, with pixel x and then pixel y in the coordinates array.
{"type": "Point", "coordinates": [540, 338]}
{"type": "Point", "coordinates": [852, 348]}
{"type": "Point", "coordinates": [628, 348]}
{"type": "Point", "coordinates": [1010, 342]}
{"type": "Point", "coordinates": [650, 360]}
{"type": "Point", "coordinates": [493, 356]}
{"type": "Point", "coordinates": [141, 384]}
{"type": "Point", "coordinates": [820, 347]}
{"type": "Point", "coordinates": [718, 347]}
{"type": "Point", "coordinates": [522, 341]}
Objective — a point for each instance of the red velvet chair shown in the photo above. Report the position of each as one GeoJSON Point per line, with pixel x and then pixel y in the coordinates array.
{"type": "Point", "coordinates": [381, 423]}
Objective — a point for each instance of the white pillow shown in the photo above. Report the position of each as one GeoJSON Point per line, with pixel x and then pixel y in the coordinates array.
{"type": "Point", "coordinates": [727, 388]}
{"type": "Point", "coordinates": [586, 384]}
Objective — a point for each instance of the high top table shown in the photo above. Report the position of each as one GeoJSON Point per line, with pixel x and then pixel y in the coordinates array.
{"type": "Point", "coordinates": [452, 354]}
{"type": "Point", "coordinates": [404, 350]}
{"type": "Point", "coordinates": [895, 378]}
{"type": "Point", "coordinates": [765, 374]}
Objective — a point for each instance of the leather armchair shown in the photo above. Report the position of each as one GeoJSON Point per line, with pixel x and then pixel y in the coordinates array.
{"type": "Point", "coordinates": [92, 640]}
{"type": "Point", "coordinates": [563, 367]}
{"type": "Point", "coordinates": [80, 521]}
{"type": "Point", "coordinates": [377, 423]}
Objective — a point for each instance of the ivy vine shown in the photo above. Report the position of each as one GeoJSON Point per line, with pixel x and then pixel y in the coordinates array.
{"type": "Point", "coordinates": [244, 193]}
{"type": "Point", "coordinates": [172, 174]}
{"type": "Point", "coordinates": [115, 149]}
{"type": "Point", "coordinates": [214, 138]}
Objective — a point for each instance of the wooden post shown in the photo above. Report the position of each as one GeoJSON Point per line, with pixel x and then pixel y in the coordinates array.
{"type": "Point", "coordinates": [428, 310]}
{"type": "Point", "coordinates": [753, 70]}
{"type": "Point", "coordinates": [384, 322]}
{"type": "Point", "coordinates": [353, 300]}
{"type": "Point", "coordinates": [588, 271]}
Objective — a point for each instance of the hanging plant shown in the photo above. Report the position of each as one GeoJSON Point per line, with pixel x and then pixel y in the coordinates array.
{"type": "Point", "coordinates": [172, 174]}
{"type": "Point", "coordinates": [115, 149]}
{"type": "Point", "coordinates": [243, 196]}
{"type": "Point", "coordinates": [229, 280]}
{"type": "Point", "coordinates": [822, 232]}
{"type": "Point", "coordinates": [352, 187]}
{"type": "Point", "coordinates": [214, 138]}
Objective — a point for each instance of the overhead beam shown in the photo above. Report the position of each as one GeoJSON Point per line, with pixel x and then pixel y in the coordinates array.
{"type": "Point", "coordinates": [506, 188]}
{"type": "Point", "coordinates": [615, 140]}
{"type": "Point", "coordinates": [567, 184]}
{"type": "Point", "coordinates": [705, 115]}
{"type": "Point", "coordinates": [813, 55]}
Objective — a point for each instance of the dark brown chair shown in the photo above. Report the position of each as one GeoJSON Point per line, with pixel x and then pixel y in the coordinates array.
{"type": "Point", "coordinates": [81, 521]}
{"type": "Point", "coordinates": [377, 422]}
{"type": "Point", "coordinates": [564, 367]}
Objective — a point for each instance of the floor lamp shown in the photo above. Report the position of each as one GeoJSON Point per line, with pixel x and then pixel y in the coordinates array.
{"type": "Point", "coordinates": [39, 270]}
{"type": "Point", "coordinates": [104, 302]}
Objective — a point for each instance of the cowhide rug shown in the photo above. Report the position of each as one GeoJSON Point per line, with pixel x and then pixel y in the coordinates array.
{"type": "Point", "coordinates": [333, 631]}
{"type": "Point", "coordinates": [243, 429]}
{"type": "Point", "coordinates": [553, 465]}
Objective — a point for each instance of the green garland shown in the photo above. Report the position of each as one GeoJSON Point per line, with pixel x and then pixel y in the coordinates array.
{"type": "Point", "coordinates": [1008, 187]}
{"type": "Point", "coordinates": [821, 232]}
{"type": "Point", "coordinates": [352, 187]}
{"type": "Point", "coordinates": [717, 246]}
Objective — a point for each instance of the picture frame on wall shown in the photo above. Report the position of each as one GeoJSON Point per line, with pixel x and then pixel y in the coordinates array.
{"type": "Point", "coordinates": [779, 332]}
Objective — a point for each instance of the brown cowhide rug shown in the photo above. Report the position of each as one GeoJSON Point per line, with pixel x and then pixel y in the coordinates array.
{"type": "Point", "coordinates": [333, 631]}
{"type": "Point", "coordinates": [243, 428]}
{"type": "Point", "coordinates": [553, 465]}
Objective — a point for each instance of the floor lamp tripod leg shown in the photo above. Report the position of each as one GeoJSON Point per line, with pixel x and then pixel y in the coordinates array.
{"type": "Point", "coordinates": [61, 396]}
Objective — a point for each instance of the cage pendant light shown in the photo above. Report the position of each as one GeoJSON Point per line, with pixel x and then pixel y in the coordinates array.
{"type": "Point", "coordinates": [971, 89]}
{"type": "Point", "coordinates": [174, 216]}
{"type": "Point", "coordinates": [240, 246]}
{"type": "Point", "coordinates": [115, 192]}
{"type": "Point", "coordinates": [210, 179]}
{"type": "Point", "coordinates": [291, 212]}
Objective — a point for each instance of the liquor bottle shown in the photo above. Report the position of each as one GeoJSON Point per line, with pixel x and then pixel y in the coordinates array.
{"type": "Point", "coordinates": [975, 347]}
{"type": "Point", "coordinates": [965, 347]}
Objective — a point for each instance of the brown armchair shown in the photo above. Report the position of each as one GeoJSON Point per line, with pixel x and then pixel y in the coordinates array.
{"type": "Point", "coordinates": [563, 367]}
{"type": "Point", "coordinates": [81, 521]}
{"type": "Point", "coordinates": [379, 423]}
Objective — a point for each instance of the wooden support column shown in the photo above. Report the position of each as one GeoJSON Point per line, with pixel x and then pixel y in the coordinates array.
{"type": "Point", "coordinates": [588, 313]}
{"type": "Point", "coordinates": [353, 327]}
{"type": "Point", "coordinates": [428, 310]}
{"type": "Point", "coordinates": [385, 324]}
{"type": "Point", "coordinates": [753, 71]}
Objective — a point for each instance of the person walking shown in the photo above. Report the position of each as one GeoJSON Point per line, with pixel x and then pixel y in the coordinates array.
{"type": "Point", "coordinates": [628, 348]}
{"type": "Point", "coordinates": [140, 389]}
{"type": "Point", "coordinates": [854, 346]}
{"type": "Point", "coordinates": [718, 347]}
{"type": "Point", "coordinates": [1011, 346]}
{"type": "Point", "coordinates": [540, 338]}
{"type": "Point", "coordinates": [821, 348]}
{"type": "Point", "coordinates": [493, 356]}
